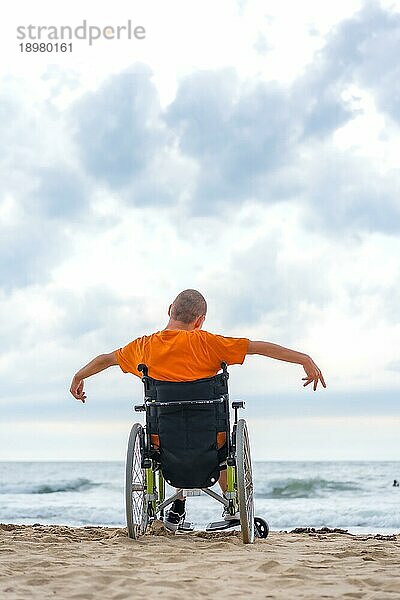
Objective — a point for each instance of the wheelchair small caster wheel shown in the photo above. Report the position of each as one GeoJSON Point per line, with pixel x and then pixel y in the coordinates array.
{"type": "Point", "coordinates": [261, 528]}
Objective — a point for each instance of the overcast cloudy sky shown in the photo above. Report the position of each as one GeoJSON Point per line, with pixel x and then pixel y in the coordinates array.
{"type": "Point", "coordinates": [248, 149]}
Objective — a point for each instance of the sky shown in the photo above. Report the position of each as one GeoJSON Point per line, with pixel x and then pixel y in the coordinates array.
{"type": "Point", "coordinates": [248, 149]}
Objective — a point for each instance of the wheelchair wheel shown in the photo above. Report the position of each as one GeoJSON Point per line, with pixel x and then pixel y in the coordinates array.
{"type": "Point", "coordinates": [261, 527]}
{"type": "Point", "coordinates": [135, 485]}
{"type": "Point", "coordinates": [244, 482]}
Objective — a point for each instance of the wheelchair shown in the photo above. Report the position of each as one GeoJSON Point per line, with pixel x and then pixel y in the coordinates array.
{"type": "Point", "coordinates": [186, 441]}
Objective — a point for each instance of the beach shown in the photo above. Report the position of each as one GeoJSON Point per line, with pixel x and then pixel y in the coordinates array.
{"type": "Point", "coordinates": [53, 561]}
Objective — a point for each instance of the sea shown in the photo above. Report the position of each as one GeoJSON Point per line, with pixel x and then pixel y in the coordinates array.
{"type": "Point", "coordinates": [357, 496]}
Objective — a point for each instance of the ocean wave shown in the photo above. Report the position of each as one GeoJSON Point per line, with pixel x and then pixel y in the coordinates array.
{"type": "Point", "coordinates": [303, 488]}
{"type": "Point", "coordinates": [326, 514]}
{"type": "Point", "coordinates": [74, 485]}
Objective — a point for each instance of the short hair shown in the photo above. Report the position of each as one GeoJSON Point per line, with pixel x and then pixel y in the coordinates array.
{"type": "Point", "coordinates": [188, 306]}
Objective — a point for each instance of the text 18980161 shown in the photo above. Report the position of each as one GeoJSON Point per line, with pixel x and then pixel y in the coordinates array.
{"type": "Point", "coordinates": [45, 47]}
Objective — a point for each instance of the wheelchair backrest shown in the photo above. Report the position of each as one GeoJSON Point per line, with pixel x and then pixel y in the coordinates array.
{"type": "Point", "coordinates": [188, 427]}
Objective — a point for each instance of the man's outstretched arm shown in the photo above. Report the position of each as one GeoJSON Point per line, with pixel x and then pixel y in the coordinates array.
{"type": "Point", "coordinates": [101, 362]}
{"type": "Point", "coordinates": [281, 353]}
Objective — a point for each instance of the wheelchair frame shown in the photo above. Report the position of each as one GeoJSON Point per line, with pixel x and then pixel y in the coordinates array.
{"type": "Point", "coordinates": [145, 483]}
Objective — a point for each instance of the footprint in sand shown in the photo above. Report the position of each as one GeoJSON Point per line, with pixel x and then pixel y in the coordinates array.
{"type": "Point", "coordinates": [268, 566]}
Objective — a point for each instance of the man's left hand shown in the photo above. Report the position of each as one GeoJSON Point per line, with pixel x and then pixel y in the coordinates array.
{"type": "Point", "coordinates": [313, 373]}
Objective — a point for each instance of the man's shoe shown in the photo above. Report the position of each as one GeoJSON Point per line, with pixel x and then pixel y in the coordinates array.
{"type": "Point", "coordinates": [228, 517]}
{"type": "Point", "coordinates": [172, 520]}
{"type": "Point", "coordinates": [175, 516]}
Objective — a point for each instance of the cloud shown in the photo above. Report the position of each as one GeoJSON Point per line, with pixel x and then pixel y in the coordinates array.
{"type": "Point", "coordinates": [394, 365]}
{"type": "Point", "coordinates": [116, 128]}
{"type": "Point", "coordinates": [30, 245]}
{"type": "Point", "coordinates": [26, 256]}
{"type": "Point", "coordinates": [346, 195]}
{"type": "Point", "coordinates": [237, 132]}
{"type": "Point", "coordinates": [112, 316]}
{"type": "Point", "coordinates": [259, 282]}
{"type": "Point", "coordinates": [60, 193]}
{"type": "Point", "coordinates": [40, 187]}
{"type": "Point", "coordinates": [364, 49]}
{"type": "Point", "coordinates": [269, 143]}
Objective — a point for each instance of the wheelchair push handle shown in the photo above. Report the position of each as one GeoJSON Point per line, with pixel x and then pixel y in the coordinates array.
{"type": "Point", "coordinates": [143, 369]}
{"type": "Point", "coordinates": [236, 405]}
{"type": "Point", "coordinates": [224, 368]}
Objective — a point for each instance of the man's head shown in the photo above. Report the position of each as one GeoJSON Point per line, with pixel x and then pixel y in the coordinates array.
{"type": "Point", "coordinates": [189, 308]}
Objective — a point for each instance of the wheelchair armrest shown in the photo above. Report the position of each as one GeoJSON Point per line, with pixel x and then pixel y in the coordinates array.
{"type": "Point", "coordinates": [140, 407]}
{"type": "Point", "coordinates": [238, 404]}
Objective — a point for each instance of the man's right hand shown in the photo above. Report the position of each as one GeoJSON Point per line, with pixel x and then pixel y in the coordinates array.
{"type": "Point", "coordinates": [313, 373]}
{"type": "Point", "coordinates": [101, 362]}
{"type": "Point", "coordinates": [76, 389]}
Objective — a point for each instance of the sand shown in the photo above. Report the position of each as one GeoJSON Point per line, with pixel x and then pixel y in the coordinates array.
{"type": "Point", "coordinates": [96, 562]}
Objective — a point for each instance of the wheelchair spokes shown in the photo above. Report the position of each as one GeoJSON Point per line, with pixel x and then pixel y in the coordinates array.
{"type": "Point", "coordinates": [135, 485]}
{"type": "Point", "coordinates": [244, 482]}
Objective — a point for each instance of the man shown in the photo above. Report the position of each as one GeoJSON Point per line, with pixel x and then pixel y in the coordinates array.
{"type": "Point", "coordinates": [184, 352]}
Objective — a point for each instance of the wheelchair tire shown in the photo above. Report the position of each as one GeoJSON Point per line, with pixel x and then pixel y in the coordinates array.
{"type": "Point", "coordinates": [261, 527]}
{"type": "Point", "coordinates": [244, 482]}
{"type": "Point", "coordinates": [135, 485]}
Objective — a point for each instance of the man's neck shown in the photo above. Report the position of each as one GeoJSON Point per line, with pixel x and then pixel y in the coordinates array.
{"type": "Point", "coordinates": [176, 325]}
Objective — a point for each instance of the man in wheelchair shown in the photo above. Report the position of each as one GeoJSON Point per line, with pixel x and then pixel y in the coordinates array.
{"type": "Point", "coordinates": [179, 367]}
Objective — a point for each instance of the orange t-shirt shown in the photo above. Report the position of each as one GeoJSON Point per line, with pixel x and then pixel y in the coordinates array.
{"type": "Point", "coordinates": [180, 355]}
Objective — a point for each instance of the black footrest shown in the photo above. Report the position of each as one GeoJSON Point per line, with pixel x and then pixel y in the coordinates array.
{"type": "Point", "coordinates": [221, 525]}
